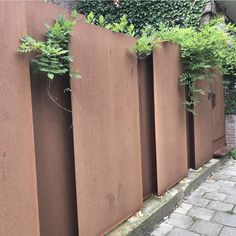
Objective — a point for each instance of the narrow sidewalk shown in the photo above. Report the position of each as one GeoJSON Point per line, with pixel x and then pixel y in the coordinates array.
{"type": "Point", "coordinates": [209, 211]}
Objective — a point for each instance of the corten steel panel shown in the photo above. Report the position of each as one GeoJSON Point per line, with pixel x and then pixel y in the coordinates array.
{"type": "Point", "coordinates": [219, 143]}
{"type": "Point", "coordinates": [170, 117]}
{"type": "Point", "coordinates": [106, 129]}
{"type": "Point", "coordinates": [147, 129]}
{"type": "Point", "coordinates": [53, 139]}
{"type": "Point", "coordinates": [18, 188]}
{"type": "Point", "coordinates": [203, 128]}
{"type": "Point", "coordinates": [218, 114]}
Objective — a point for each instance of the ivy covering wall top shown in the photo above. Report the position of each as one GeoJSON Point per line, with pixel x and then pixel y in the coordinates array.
{"type": "Point", "coordinates": [148, 12]}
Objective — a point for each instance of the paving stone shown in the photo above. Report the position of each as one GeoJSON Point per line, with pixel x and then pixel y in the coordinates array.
{"type": "Point", "coordinates": [209, 211]}
{"type": "Point", "coordinates": [233, 179]}
{"type": "Point", "coordinates": [206, 228]}
{"type": "Point", "coordinates": [197, 201]}
{"type": "Point", "coordinates": [224, 219]}
{"type": "Point", "coordinates": [210, 181]}
{"type": "Point", "coordinates": [221, 176]}
{"type": "Point", "coordinates": [228, 190]}
{"type": "Point", "coordinates": [227, 183]}
{"type": "Point", "coordinates": [183, 208]}
{"type": "Point", "coordinates": [162, 230]}
{"type": "Point", "coordinates": [211, 187]}
{"type": "Point", "coordinates": [220, 206]}
{"type": "Point", "coordinates": [231, 168]}
{"type": "Point", "coordinates": [231, 199]}
{"type": "Point", "coordinates": [228, 231]}
{"type": "Point", "coordinates": [182, 232]}
{"type": "Point", "coordinates": [179, 220]}
{"type": "Point", "coordinates": [234, 210]}
{"type": "Point", "coordinates": [198, 192]}
{"type": "Point", "coordinates": [201, 213]}
{"type": "Point", "coordinates": [230, 173]}
{"type": "Point", "coordinates": [215, 196]}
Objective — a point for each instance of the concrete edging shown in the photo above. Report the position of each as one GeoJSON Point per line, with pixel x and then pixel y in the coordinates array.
{"type": "Point", "coordinates": [157, 208]}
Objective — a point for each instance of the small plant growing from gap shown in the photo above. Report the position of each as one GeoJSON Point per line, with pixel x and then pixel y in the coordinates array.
{"type": "Point", "coordinates": [52, 57]}
{"type": "Point", "coordinates": [146, 43]}
{"type": "Point", "coordinates": [232, 154]}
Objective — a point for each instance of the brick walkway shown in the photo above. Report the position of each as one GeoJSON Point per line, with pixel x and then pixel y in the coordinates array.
{"type": "Point", "coordinates": [210, 210]}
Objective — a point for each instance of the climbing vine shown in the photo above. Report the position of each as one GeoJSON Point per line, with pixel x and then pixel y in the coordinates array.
{"type": "Point", "coordinates": [213, 46]}
{"type": "Point", "coordinates": [141, 13]}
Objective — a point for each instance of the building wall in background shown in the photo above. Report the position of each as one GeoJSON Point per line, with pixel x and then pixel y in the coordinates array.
{"type": "Point", "coordinates": [230, 124]}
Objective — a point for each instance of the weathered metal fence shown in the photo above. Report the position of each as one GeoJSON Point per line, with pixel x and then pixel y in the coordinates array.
{"type": "Point", "coordinates": [128, 135]}
{"type": "Point", "coordinates": [106, 129]}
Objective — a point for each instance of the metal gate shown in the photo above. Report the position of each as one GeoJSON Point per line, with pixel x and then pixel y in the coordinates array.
{"type": "Point", "coordinates": [208, 124]}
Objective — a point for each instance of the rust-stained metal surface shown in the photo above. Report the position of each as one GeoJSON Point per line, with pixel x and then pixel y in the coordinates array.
{"type": "Point", "coordinates": [218, 113]}
{"type": "Point", "coordinates": [106, 129]}
{"type": "Point", "coordinates": [170, 117]}
{"type": "Point", "coordinates": [18, 188]}
{"type": "Point", "coordinates": [147, 127]}
{"type": "Point", "coordinates": [209, 124]}
{"type": "Point", "coordinates": [202, 122]}
{"type": "Point", "coordinates": [53, 138]}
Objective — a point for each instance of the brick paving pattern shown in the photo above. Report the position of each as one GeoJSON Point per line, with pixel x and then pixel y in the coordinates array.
{"type": "Point", "coordinates": [209, 211]}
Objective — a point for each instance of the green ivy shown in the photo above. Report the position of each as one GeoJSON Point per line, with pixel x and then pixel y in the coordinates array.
{"type": "Point", "coordinates": [149, 12]}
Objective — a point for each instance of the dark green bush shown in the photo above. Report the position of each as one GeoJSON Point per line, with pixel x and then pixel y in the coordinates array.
{"type": "Point", "coordinates": [150, 12]}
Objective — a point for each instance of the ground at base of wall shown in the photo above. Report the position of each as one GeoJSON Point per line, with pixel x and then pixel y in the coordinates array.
{"type": "Point", "coordinates": [157, 208]}
{"type": "Point", "coordinates": [209, 211]}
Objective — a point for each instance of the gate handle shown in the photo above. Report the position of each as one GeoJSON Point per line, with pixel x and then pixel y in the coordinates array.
{"type": "Point", "coordinates": [213, 100]}
{"type": "Point", "coordinates": [212, 97]}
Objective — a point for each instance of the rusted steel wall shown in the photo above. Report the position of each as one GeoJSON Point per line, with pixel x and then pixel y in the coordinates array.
{"type": "Point", "coordinates": [18, 190]}
{"type": "Point", "coordinates": [218, 114]}
{"type": "Point", "coordinates": [202, 123]}
{"type": "Point", "coordinates": [53, 138]}
{"type": "Point", "coordinates": [208, 123]}
{"type": "Point", "coordinates": [170, 117]}
{"type": "Point", "coordinates": [106, 129]}
{"type": "Point", "coordinates": [147, 127]}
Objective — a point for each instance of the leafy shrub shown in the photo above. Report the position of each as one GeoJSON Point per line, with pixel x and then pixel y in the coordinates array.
{"type": "Point", "coordinates": [52, 56]}
{"type": "Point", "coordinates": [232, 154]}
{"type": "Point", "coordinates": [213, 46]}
{"type": "Point", "coordinates": [149, 12]}
{"type": "Point", "coordinates": [122, 26]}
{"type": "Point", "coordinates": [146, 43]}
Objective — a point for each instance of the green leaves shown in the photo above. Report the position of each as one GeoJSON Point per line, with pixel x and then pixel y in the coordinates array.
{"type": "Point", "coordinates": [52, 56]}
{"type": "Point", "coordinates": [50, 76]}
{"type": "Point", "coordinates": [75, 75]}
{"type": "Point", "coordinates": [29, 44]}
{"type": "Point", "coordinates": [90, 18]}
{"type": "Point", "coordinates": [101, 21]}
{"type": "Point", "coordinates": [146, 43]}
{"type": "Point", "coordinates": [148, 12]}
{"type": "Point", "coordinates": [74, 14]}
{"type": "Point", "coordinates": [213, 46]}
{"type": "Point", "coordinates": [122, 26]}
